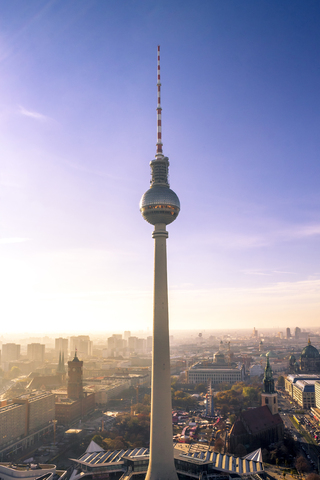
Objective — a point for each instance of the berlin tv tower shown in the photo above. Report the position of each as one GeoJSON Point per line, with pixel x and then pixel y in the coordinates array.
{"type": "Point", "coordinates": [160, 206]}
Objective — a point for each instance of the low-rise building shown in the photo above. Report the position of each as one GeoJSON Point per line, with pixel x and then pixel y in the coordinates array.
{"type": "Point", "coordinates": [190, 464]}
{"type": "Point", "coordinates": [30, 471]}
{"type": "Point", "coordinates": [304, 392]}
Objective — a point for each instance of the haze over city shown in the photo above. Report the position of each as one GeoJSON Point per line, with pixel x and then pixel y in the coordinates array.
{"type": "Point", "coordinates": [240, 99]}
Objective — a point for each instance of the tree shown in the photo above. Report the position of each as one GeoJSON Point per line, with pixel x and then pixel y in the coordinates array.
{"type": "Point", "coordinates": [218, 445]}
{"type": "Point", "coordinates": [118, 443]}
{"type": "Point", "coordinates": [301, 464]}
{"type": "Point", "coordinates": [232, 418]}
{"type": "Point", "coordinates": [224, 386]}
{"type": "Point", "coordinates": [98, 440]}
{"type": "Point", "coordinates": [201, 388]}
{"type": "Point", "coordinates": [240, 450]}
{"type": "Point", "coordinates": [146, 399]}
{"type": "Point", "coordinates": [251, 394]}
{"type": "Point", "coordinates": [313, 476]}
{"type": "Point", "coordinates": [266, 455]}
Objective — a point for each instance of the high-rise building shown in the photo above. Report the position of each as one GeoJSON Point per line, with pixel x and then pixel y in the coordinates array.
{"type": "Point", "coordinates": [61, 346]}
{"type": "Point", "coordinates": [288, 333]}
{"type": "Point", "coordinates": [149, 343]}
{"type": "Point", "coordinates": [10, 352]}
{"type": "Point", "coordinates": [297, 333]}
{"type": "Point", "coordinates": [126, 334]}
{"type": "Point", "coordinates": [35, 352]}
{"type": "Point", "coordinates": [132, 343]}
{"type": "Point", "coordinates": [160, 206]}
{"type": "Point", "coordinates": [82, 344]}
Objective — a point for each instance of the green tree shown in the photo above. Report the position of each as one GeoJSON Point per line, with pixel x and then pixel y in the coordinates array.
{"type": "Point", "coordinates": [98, 440]}
{"type": "Point", "coordinates": [146, 399]}
{"type": "Point", "coordinates": [224, 386]}
{"type": "Point", "coordinates": [250, 394]}
{"type": "Point", "coordinates": [118, 443]}
{"type": "Point", "coordinates": [201, 388]}
{"type": "Point", "coordinates": [232, 418]}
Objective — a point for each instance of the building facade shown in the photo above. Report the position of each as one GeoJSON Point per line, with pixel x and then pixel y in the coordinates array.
{"type": "Point", "coordinates": [36, 352]}
{"type": "Point", "coordinates": [302, 389]}
{"type": "Point", "coordinates": [61, 346]}
{"type": "Point", "coordinates": [219, 371]}
{"type": "Point", "coordinates": [82, 344]}
{"type": "Point", "coordinates": [12, 423]}
{"type": "Point", "coordinates": [10, 352]}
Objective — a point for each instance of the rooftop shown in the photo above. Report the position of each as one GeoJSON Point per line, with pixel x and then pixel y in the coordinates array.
{"type": "Point", "coordinates": [197, 455]}
{"type": "Point", "coordinates": [260, 418]}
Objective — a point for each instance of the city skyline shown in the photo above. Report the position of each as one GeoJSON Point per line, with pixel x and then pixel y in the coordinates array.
{"type": "Point", "coordinates": [241, 119]}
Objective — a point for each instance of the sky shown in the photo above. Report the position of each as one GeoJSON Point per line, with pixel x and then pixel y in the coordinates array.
{"type": "Point", "coordinates": [241, 120]}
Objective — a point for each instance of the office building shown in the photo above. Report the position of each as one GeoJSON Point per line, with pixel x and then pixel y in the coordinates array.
{"type": "Point", "coordinates": [126, 334]}
{"type": "Point", "coordinates": [36, 352]}
{"type": "Point", "coordinates": [82, 344]}
{"type": "Point", "coordinates": [10, 352]}
{"type": "Point", "coordinates": [61, 346]}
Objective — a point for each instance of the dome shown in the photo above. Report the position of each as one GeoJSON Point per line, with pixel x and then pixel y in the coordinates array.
{"type": "Point", "coordinates": [159, 205]}
{"type": "Point", "coordinates": [309, 351]}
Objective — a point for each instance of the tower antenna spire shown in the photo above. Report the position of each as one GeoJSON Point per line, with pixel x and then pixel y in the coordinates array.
{"type": "Point", "coordinates": [159, 144]}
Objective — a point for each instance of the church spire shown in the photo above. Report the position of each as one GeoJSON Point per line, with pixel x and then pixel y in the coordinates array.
{"type": "Point", "coordinates": [268, 381]}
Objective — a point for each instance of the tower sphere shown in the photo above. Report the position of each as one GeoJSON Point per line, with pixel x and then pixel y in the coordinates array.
{"type": "Point", "coordinates": [159, 205]}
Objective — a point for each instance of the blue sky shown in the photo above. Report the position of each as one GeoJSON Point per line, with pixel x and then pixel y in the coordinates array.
{"type": "Point", "coordinates": [241, 118]}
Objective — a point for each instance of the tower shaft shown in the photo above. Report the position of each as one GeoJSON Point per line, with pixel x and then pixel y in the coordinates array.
{"type": "Point", "coordinates": [161, 463]}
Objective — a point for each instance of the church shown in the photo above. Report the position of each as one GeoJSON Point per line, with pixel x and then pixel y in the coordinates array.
{"type": "Point", "coordinates": [258, 427]}
{"type": "Point", "coordinates": [309, 360]}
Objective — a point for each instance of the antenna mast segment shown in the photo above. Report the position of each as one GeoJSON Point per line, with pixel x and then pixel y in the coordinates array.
{"type": "Point", "coordinates": [159, 109]}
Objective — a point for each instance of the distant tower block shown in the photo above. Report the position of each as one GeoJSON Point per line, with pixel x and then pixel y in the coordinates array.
{"type": "Point", "coordinates": [269, 396]}
{"type": "Point", "coordinates": [160, 206]}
